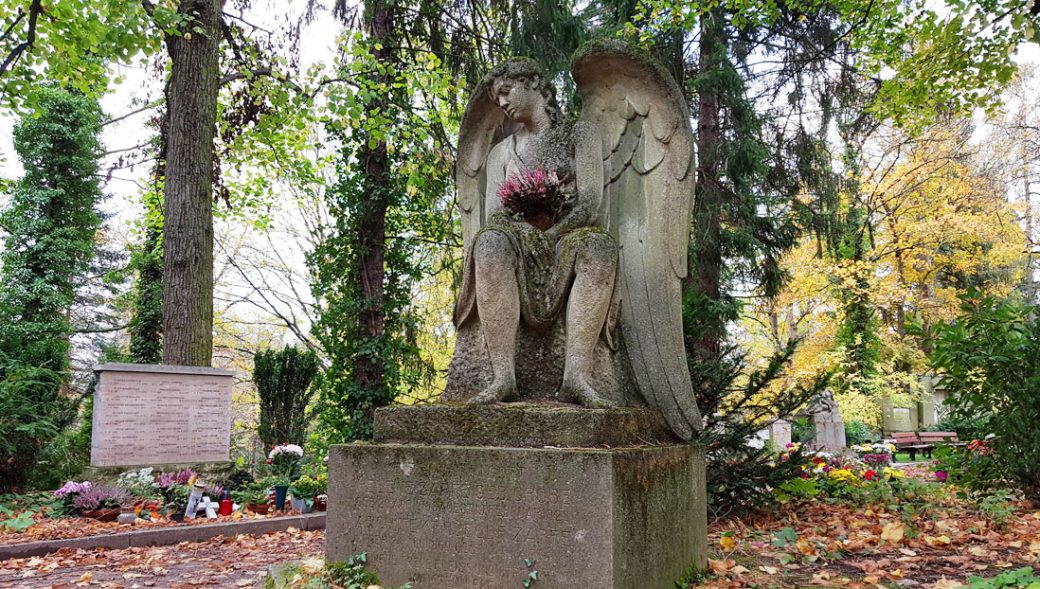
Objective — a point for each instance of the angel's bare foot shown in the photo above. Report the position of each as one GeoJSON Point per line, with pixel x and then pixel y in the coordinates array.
{"type": "Point", "coordinates": [586, 395]}
{"type": "Point", "coordinates": [498, 391]}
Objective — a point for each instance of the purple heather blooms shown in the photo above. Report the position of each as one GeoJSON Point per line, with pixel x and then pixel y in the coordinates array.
{"type": "Point", "coordinates": [941, 476]}
{"type": "Point", "coordinates": [72, 488]}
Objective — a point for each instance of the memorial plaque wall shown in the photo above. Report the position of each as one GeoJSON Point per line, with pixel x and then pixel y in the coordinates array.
{"type": "Point", "coordinates": [153, 414]}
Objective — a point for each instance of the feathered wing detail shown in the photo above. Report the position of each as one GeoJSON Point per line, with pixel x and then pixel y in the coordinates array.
{"type": "Point", "coordinates": [483, 125]}
{"type": "Point", "coordinates": [647, 201]}
{"type": "Point", "coordinates": [477, 133]}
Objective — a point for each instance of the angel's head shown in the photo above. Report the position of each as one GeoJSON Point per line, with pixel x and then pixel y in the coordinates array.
{"type": "Point", "coordinates": [519, 88]}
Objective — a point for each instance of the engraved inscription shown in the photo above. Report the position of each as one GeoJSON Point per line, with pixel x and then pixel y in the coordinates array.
{"type": "Point", "coordinates": [145, 418]}
{"type": "Point", "coordinates": [554, 508]}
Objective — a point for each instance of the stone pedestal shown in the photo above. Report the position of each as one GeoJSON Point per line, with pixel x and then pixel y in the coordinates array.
{"type": "Point", "coordinates": [624, 515]}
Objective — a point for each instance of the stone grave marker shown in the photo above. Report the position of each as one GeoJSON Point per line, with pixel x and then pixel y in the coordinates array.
{"type": "Point", "coordinates": [780, 434]}
{"type": "Point", "coordinates": [830, 429]}
{"type": "Point", "coordinates": [150, 415]}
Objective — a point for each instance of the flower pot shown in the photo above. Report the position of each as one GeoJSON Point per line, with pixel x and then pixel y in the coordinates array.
{"type": "Point", "coordinates": [541, 220]}
{"type": "Point", "coordinates": [321, 502]}
{"type": "Point", "coordinates": [300, 505]}
{"type": "Point", "coordinates": [258, 508]}
{"type": "Point", "coordinates": [101, 515]}
{"type": "Point", "coordinates": [279, 496]}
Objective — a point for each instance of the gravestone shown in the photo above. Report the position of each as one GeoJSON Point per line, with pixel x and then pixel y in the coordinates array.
{"type": "Point", "coordinates": [564, 444]}
{"type": "Point", "coordinates": [780, 434]}
{"type": "Point", "coordinates": [151, 415]}
{"type": "Point", "coordinates": [596, 498]}
{"type": "Point", "coordinates": [830, 429]}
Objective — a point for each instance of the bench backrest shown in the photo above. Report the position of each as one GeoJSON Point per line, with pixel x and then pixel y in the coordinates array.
{"type": "Point", "coordinates": [938, 436]}
{"type": "Point", "coordinates": [902, 438]}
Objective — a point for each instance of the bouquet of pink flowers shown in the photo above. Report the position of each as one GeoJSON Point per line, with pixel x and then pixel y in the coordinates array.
{"type": "Point", "coordinates": [532, 191]}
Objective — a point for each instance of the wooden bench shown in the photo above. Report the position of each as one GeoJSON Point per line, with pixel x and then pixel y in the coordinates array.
{"type": "Point", "coordinates": [910, 442]}
{"type": "Point", "coordinates": [924, 442]}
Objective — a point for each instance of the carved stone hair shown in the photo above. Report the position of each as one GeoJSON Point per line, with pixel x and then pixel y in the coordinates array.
{"type": "Point", "coordinates": [531, 74]}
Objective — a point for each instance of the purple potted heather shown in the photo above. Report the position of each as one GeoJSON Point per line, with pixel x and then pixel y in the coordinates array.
{"type": "Point", "coordinates": [101, 502]}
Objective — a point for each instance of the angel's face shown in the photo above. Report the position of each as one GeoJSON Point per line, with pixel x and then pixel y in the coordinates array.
{"type": "Point", "coordinates": [520, 102]}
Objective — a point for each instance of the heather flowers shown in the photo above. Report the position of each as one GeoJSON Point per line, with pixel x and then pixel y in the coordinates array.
{"type": "Point", "coordinates": [101, 497]}
{"type": "Point", "coordinates": [72, 488]}
{"type": "Point", "coordinates": [531, 191]}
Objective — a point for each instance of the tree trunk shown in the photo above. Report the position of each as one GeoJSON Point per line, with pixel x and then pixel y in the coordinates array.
{"type": "Point", "coordinates": [706, 261]}
{"type": "Point", "coordinates": [368, 373]}
{"type": "Point", "coordinates": [188, 235]}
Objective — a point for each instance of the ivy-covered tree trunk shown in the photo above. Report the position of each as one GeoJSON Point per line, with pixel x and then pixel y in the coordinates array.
{"type": "Point", "coordinates": [49, 242]}
{"type": "Point", "coordinates": [376, 184]}
{"type": "Point", "coordinates": [188, 230]}
{"type": "Point", "coordinates": [145, 327]}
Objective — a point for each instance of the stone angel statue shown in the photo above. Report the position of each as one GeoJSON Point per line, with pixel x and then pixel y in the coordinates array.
{"type": "Point", "coordinates": [576, 239]}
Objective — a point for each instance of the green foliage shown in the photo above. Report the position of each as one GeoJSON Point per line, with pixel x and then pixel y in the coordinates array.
{"type": "Point", "coordinates": [969, 468]}
{"type": "Point", "coordinates": [254, 492]}
{"type": "Point", "coordinates": [73, 42]}
{"type": "Point", "coordinates": [913, 41]}
{"type": "Point", "coordinates": [1023, 578]}
{"type": "Point", "coordinates": [49, 230]}
{"type": "Point", "coordinates": [336, 575]}
{"type": "Point", "coordinates": [996, 507]}
{"type": "Point", "coordinates": [735, 404]}
{"type": "Point", "coordinates": [803, 430]}
{"type": "Point", "coordinates": [989, 359]}
{"type": "Point", "coordinates": [308, 487]}
{"type": "Point", "coordinates": [402, 214]}
{"type": "Point", "coordinates": [284, 383]}
{"type": "Point", "coordinates": [857, 432]}
{"type": "Point", "coordinates": [797, 489]}
{"type": "Point", "coordinates": [145, 328]}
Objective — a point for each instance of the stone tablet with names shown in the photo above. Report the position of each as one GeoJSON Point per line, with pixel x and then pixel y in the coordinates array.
{"type": "Point", "coordinates": [146, 414]}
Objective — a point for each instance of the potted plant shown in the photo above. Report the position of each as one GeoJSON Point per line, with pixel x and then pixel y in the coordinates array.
{"type": "Point", "coordinates": [284, 461]}
{"type": "Point", "coordinates": [253, 497]}
{"type": "Point", "coordinates": [101, 502]}
{"type": "Point", "coordinates": [69, 491]}
{"type": "Point", "coordinates": [304, 491]}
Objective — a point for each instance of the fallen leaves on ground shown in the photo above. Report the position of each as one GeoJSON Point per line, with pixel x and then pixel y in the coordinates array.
{"type": "Point", "coordinates": [238, 561]}
{"type": "Point", "coordinates": [48, 528]}
{"type": "Point", "coordinates": [824, 544]}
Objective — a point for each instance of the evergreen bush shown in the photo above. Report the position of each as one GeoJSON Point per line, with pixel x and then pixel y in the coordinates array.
{"type": "Point", "coordinates": [283, 380]}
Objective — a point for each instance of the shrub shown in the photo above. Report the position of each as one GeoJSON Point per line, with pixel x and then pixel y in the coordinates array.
{"type": "Point", "coordinates": [858, 432]}
{"type": "Point", "coordinates": [803, 430]}
{"type": "Point", "coordinates": [283, 381]}
{"type": "Point", "coordinates": [29, 416]}
{"type": "Point", "coordinates": [974, 467]}
{"type": "Point", "coordinates": [989, 358]}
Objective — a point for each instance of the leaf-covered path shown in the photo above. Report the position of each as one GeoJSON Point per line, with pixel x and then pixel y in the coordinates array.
{"type": "Point", "coordinates": [221, 562]}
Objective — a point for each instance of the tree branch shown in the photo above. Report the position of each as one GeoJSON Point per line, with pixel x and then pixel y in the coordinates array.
{"type": "Point", "coordinates": [34, 12]}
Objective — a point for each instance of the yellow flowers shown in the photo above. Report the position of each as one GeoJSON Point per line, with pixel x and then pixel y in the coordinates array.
{"type": "Point", "coordinates": [843, 475]}
{"type": "Point", "coordinates": [894, 473]}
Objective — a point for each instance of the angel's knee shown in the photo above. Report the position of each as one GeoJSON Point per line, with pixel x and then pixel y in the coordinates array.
{"type": "Point", "coordinates": [598, 253]}
{"type": "Point", "coordinates": [494, 248]}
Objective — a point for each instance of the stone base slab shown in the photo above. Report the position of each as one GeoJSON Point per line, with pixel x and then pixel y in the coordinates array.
{"type": "Point", "coordinates": [455, 517]}
{"type": "Point", "coordinates": [522, 425]}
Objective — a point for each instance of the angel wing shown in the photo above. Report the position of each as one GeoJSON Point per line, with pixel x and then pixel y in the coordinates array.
{"type": "Point", "coordinates": [643, 122]}
{"type": "Point", "coordinates": [483, 125]}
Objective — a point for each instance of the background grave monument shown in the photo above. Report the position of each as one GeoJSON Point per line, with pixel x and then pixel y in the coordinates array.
{"type": "Point", "coordinates": [564, 446]}
{"type": "Point", "coordinates": [151, 415]}
{"type": "Point", "coordinates": [780, 434]}
{"type": "Point", "coordinates": [830, 429]}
